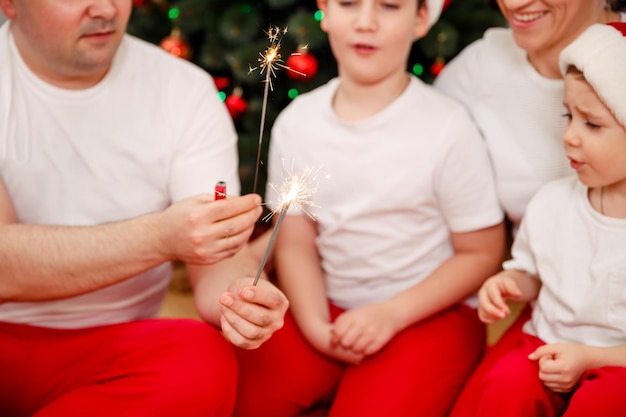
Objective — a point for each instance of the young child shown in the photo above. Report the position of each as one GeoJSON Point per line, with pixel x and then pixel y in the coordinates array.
{"type": "Point", "coordinates": [569, 258]}
{"type": "Point", "coordinates": [407, 228]}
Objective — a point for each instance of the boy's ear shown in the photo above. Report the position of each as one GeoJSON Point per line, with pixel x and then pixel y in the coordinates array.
{"type": "Point", "coordinates": [422, 22]}
{"type": "Point", "coordinates": [322, 5]}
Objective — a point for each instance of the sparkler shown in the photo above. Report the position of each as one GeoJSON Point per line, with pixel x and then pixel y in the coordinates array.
{"type": "Point", "coordinates": [296, 190]}
{"type": "Point", "coordinates": [269, 62]}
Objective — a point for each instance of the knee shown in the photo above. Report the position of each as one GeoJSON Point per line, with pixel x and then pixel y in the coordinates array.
{"type": "Point", "coordinates": [201, 375]}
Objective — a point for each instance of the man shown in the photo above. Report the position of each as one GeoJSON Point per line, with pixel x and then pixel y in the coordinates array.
{"type": "Point", "coordinates": [108, 147]}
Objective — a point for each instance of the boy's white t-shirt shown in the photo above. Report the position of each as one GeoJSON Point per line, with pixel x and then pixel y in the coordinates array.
{"type": "Point", "coordinates": [151, 133]}
{"type": "Point", "coordinates": [578, 254]}
{"type": "Point", "coordinates": [391, 188]}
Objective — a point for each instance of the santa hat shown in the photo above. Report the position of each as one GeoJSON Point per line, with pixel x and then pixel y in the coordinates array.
{"type": "Point", "coordinates": [600, 54]}
{"type": "Point", "coordinates": [434, 10]}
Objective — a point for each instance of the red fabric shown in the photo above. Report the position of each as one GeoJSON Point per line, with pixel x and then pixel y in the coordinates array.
{"type": "Point", "coordinates": [144, 368]}
{"type": "Point", "coordinates": [510, 386]}
{"type": "Point", "coordinates": [419, 372]}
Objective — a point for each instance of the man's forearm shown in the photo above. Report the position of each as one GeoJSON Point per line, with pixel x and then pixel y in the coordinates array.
{"type": "Point", "coordinates": [39, 262]}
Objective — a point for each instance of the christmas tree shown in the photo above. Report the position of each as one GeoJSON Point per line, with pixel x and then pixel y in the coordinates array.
{"type": "Point", "coordinates": [230, 40]}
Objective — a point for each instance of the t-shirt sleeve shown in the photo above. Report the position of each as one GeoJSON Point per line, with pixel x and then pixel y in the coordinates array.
{"type": "Point", "coordinates": [464, 180]}
{"type": "Point", "coordinates": [206, 147]}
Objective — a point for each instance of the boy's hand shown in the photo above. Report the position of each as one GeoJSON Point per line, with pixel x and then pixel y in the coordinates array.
{"type": "Point", "coordinates": [560, 365]}
{"type": "Point", "coordinates": [494, 294]}
{"type": "Point", "coordinates": [365, 330]}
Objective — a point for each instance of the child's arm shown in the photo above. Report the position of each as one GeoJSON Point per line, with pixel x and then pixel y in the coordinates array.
{"type": "Point", "coordinates": [301, 278]}
{"type": "Point", "coordinates": [509, 285]}
{"type": "Point", "coordinates": [478, 254]}
{"type": "Point", "coordinates": [561, 365]}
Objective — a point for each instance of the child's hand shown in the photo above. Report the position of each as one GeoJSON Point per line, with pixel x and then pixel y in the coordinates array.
{"type": "Point", "coordinates": [560, 365]}
{"type": "Point", "coordinates": [365, 330]}
{"type": "Point", "coordinates": [320, 337]}
{"type": "Point", "coordinates": [494, 294]}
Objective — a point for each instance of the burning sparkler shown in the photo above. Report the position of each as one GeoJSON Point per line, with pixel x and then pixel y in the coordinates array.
{"type": "Point", "coordinates": [269, 62]}
{"type": "Point", "coordinates": [296, 191]}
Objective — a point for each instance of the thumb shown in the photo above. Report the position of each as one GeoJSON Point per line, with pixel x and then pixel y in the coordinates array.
{"type": "Point", "coordinates": [540, 352]}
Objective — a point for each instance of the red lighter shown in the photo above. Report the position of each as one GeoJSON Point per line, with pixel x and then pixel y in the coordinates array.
{"type": "Point", "coordinates": [220, 190]}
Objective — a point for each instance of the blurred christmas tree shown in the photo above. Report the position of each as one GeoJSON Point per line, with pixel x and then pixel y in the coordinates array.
{"type": "Point", "coordinates": [227, 38]}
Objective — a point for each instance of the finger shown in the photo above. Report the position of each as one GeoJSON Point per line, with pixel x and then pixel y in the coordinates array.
{"type": "Point", "coordinates": [244, 328]}
{"type": "Point", "coordinates": [265, 294]}
{"type": "Point", "coordinates": [232, 207]}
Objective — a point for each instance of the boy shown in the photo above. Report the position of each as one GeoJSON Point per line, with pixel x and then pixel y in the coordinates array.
{"type": "Point", "coordinates": [408, 227]}
{"type": "Point", "coordinates": [568, 258]}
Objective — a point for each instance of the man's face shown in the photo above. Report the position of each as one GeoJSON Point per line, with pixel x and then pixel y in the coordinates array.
{"type": "Point", "coordinates": [69, 43]}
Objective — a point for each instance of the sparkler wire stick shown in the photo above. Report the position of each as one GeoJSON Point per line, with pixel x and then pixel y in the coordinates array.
{"type": "Point", "coordinates": [269, 61]}
{"type": "Point", "coordinates": [270, 243]}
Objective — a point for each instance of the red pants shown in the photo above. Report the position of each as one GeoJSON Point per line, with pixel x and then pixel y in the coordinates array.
{"type": "Point", "coordinates": [144, 368]}
{"type": "Point", "coordinates": [511, 387]}
{"type": "Point", "coordinates": [419, 373]}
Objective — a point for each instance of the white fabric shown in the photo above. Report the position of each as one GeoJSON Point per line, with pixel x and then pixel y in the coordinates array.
{"type": "Point", "coordinates": [518, 112]}
{"type": "Point", "coordinates": [600, 54]}
{"type": "Point", "coordinates": [579, 256]}
{"type": "Point", "coordinates": [434, 10]}
{"type": "Point", "coordinates": [152, 132]}
{"type": "Point", "coordinates": [391, 187]}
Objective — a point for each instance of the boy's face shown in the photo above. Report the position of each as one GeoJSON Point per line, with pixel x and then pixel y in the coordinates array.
{"type": "Point", "coordinates": [67, 39]}
{"type": "Point", "coordinates": [371, 39]}
{"type": "Point", "coordinates": [595, 142]}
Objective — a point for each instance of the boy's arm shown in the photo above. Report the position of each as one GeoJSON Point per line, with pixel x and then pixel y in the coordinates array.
{"type": "Point", "coordinates": [300, 275]}
{"type": "Point", "coordinates": [477, 255]}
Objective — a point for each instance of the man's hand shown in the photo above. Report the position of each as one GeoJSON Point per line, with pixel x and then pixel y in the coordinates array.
{"type": "Point", "coordinates": [202, 231]}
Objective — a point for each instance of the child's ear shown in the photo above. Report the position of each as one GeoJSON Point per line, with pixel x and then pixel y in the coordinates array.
{"type": "Point", "coordinates": [322, 5]}
{"type": "Point", "coordinates": [422, 22]}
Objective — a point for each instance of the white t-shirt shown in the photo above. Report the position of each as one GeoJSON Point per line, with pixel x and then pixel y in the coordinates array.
{"type": "Point", "coordinates": [519, 113]}
{"type": "Point", "coordinates": [579, 255]}
{"type": "Point", "coordinates": [151, 132]}
{"type": "Point", "coordinates": [391, 187]}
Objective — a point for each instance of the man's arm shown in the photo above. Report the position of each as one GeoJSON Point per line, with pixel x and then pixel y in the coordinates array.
{"type": "Point", "coordinates": [42, 262]}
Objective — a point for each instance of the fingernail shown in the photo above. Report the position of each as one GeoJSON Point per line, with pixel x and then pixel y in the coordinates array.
{"type": "Point", "coordinates": [248, 294]}
{"type": "Point", "coordinates": [227, 300]}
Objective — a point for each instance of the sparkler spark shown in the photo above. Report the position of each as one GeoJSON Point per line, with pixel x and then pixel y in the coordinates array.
{"type": "Point", "coordinates": [296, 190]}
{"type": "Point", "coordinates": [269, 62]}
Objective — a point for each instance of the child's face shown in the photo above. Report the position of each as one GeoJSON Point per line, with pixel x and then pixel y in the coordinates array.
{"type": "Point", "coordinates": [595, 142]}
{"type": "Point", "coordinates": [371, 39]}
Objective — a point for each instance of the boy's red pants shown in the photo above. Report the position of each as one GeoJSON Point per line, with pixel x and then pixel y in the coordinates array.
{"type": "Point", "coordinates": [507, 384]}
{"type": "Point", "coordinates": [419, 373]}
{"type": "Point", "coordinates": [144, 368]}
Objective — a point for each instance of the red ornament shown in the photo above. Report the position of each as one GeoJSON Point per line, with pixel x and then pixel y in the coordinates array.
{"type": "Point", "coordinates": [139, 3]}
{"type": "Point", "coordinates": [303, 65]}
{"type": "Point", "coordinates": [437, 66]}
{"type": "Point", "coordinates": [176, 45]}
{"type": "Point", "coordinates": [236, 104]}
{"type": "Point", "coordinates": [221, 82]}
{"type": "Point", "coordinates": [446, 3]}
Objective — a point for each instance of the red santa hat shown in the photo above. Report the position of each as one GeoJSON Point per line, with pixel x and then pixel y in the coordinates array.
{"type": "Point", "coordinates": [434, 10]}
{"type": "Point", "coordinates": [600, 54]}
